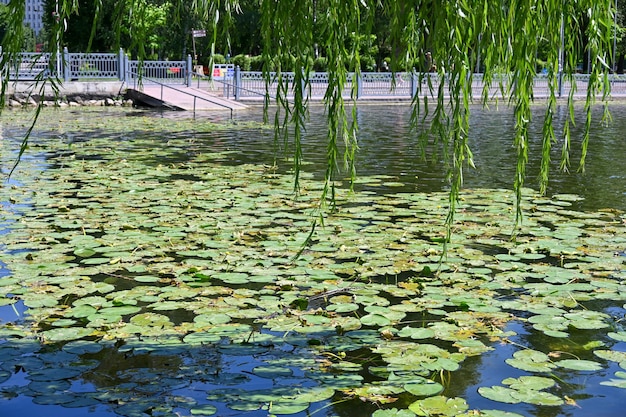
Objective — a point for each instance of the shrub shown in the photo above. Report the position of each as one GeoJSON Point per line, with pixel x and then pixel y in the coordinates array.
{"type": "Point", "coordinates": [320, 64]}
{"type": "Point", "coordinates": [243, 61]}
{"type": "Point", "coordinates": [256, 63]}
{"type": "Point", "coordinates": [219, 59]}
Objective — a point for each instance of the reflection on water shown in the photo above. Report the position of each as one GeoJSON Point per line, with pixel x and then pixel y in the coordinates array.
{"type": "Point", "coordinates": [387, 147]}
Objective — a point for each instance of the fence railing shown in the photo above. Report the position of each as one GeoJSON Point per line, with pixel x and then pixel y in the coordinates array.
{"type": "Point", "coordinates": [250, 84]}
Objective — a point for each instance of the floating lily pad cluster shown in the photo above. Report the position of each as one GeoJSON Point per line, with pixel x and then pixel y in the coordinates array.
{"type": "Point", "coordinates": [161, 274]}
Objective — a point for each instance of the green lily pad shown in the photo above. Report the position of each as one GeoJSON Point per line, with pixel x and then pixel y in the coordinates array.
{"type": "Point", "coordinates": [537, 397]}
{"type": "Point", "coordinates": [416, 333]}
{"type": "Point", "coordinates": [122, 310]}
{"type": "Point", "coordinates": [497, 413]}
{"type": "Point", "coordinates": [375, 320]}
{"type": "Point", "coordinates": [531, 361]}
{"type": "Point", "coordinates": [611, 355]}
{"type": "Point", "coordinates": [281, 407]}
{"type": "Point", "coordinates": [499, 394]}
{"type": "Point", "coordinates": [272, 372]}
{"type": "Point", "coordinates": [65, 334]}
{"type": "Point", "coordinates": [84, 252]}
{"type": "Point", "coordinates": [427, 389]}
{"type": "Point", "coordinates": [80, 347]}
{"type": "Point", "coordinates": [439, 405]}
{"type": "Point", "coordinates": [203, 410]}
{"type": "Point", "coordinates": [579, 365]}
{"type": "Point", "coordinates": [617, 383]}
{"type": "Point", "coordinates": [4, 375]}
{"type": "Point", "coordinates": [52, 374]}
{"type": "Point", "coordinates": [393, 412]}
{"type": "Point", "coordinates": [619, 336]}
{"type": "Point", "coordinates": [524, 383]}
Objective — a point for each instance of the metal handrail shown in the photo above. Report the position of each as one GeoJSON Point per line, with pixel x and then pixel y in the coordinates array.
{"type": "Point", "coordinates": [229, 84]}
{"type": "Point", "coordinates": [139, 78]}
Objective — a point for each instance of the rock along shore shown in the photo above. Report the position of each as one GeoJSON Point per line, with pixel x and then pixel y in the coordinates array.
{"type": "Point", "coordinates": [75, 93]}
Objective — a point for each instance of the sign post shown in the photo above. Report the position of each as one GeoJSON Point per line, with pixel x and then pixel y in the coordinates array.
{"type": "Point", "coordinates": [196, 33]}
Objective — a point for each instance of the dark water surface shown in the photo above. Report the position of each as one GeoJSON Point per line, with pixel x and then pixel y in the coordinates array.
{"type": "Point", "coordinates": [387, 148]}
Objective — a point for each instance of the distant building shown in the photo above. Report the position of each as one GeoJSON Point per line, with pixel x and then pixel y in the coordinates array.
{"type": "Point", "coordinates": [34, 14]}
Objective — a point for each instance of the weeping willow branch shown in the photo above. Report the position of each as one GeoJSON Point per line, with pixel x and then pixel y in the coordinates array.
{"type": "Point", "coordinates": [506, 35]}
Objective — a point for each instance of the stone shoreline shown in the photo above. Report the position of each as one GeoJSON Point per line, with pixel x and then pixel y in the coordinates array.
{"type": "Point", "coordinates": [75, 93]}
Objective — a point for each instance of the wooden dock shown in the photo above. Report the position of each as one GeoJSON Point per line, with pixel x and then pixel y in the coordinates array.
{"type": "Point", "coordinates": [180, 97]}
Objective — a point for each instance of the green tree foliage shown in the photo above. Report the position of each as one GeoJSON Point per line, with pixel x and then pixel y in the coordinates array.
{"type": "Point", "coordinates": [28, 42]}
{"type": "Point", "coordinates": [507, 36]}
{"type": "Point", "coordinates": [78, 27]}
{"type": "Point", "coordinates": [620, 36]}
{"type": "Point", "coordinates": [4, 18]}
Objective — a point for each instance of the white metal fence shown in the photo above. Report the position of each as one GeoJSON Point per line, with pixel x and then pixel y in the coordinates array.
{"type": "Point", "coordinates": [249, 84]}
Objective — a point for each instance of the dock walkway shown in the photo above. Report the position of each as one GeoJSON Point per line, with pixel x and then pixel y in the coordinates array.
{"type": "Point", "coordinates": [180, 97]}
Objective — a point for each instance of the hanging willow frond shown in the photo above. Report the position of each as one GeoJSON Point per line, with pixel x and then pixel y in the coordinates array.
{"type": "Point", "coordinates": [507, 35]}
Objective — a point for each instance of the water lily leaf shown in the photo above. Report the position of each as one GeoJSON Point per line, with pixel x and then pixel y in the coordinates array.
{"type": "Point", "coordinates": [146, 278]}
{"type": "Point", "coordinates": [416, 333]}
{"type": "Point", "coordinates": [611, 355]}
{"type": "Point", "coordinates": [537, 397]}
{"type": "Point", "coordinates": [439, 405]}
{"type": "Point", "coordinates": [65, 334]}
{"type": "Point", "coordinates": [232, 278]}
{"type": "Point", "coordinates": [529, 383]}
{"type": "Point", "coordinates": [102, 320]}
{"type": "Point", "coordinates": [287, 407]}
{"type": "Point", "coordinates": [587, 324]}
{"type": "Point", "coordinates": [500, 394]}
{"type": "Point", "coordinates": [84, 252]}
{"type": "Point", "coordinates": [393, 412]}
{"type": "Point", "coordinates": [57, 398]}
{"type": "Point", "coordinates": [63, 322]}
{"type": "Point", "coordinates": [272, 372]}
{"type": "Point", "coordinates": [92, 302]}
{"type": "Point", "coordinates": [4, 375]}
{"type": "Point", "coordinates": [79, 347]}
{"type": "Point", "coordinates": [211, 319]}
{"type": "Point", "coordinates": [49, 387]}
{"type": "Point", "coordinates": [426, 389]}
{"type": "Point", "coordinates": [343, 307]}
{"type": "Point", "coordinates": [617, 383]}
{"type": "Point", "coordinates": [579, 365]}
{"type": "Point", "coordinates": [52, 374]}
{"type": "Point", "coordinates": [497, 413]}
{"type": "Point", "coordinates": [375, 320]}
{"type": "Point", "coordinates": [95, 261]}
{"type": "Point", "coordinates": [201, 338]}
{"type": "Point", "coordinates": [122, 310]}
{"type": "Point", "coordinates": [42, 300]}
{"type": "Point", "coordinates": [314, 319]}
{"type": "Point", "coordinates": [80, 311]}
{"type": "Point", "coordinates": [204, 410]}
{"type": "Point", "coordinates": [151, 319]}
{"type": "Point", "coordinates": [548, 331]}
{"type": "Point", "coordinates": [531, 361]}
{"type": "Point", "coordinates": [315, 394]}
{"type": "Point", "coordinates": [619, 336]}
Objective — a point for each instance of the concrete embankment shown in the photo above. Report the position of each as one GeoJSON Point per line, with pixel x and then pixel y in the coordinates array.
{"type": "Point", "coordinates": [75, 93]}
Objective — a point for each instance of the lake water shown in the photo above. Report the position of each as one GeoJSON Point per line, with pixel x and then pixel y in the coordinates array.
{"type": "Point", "coordinates": [386, 148]}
